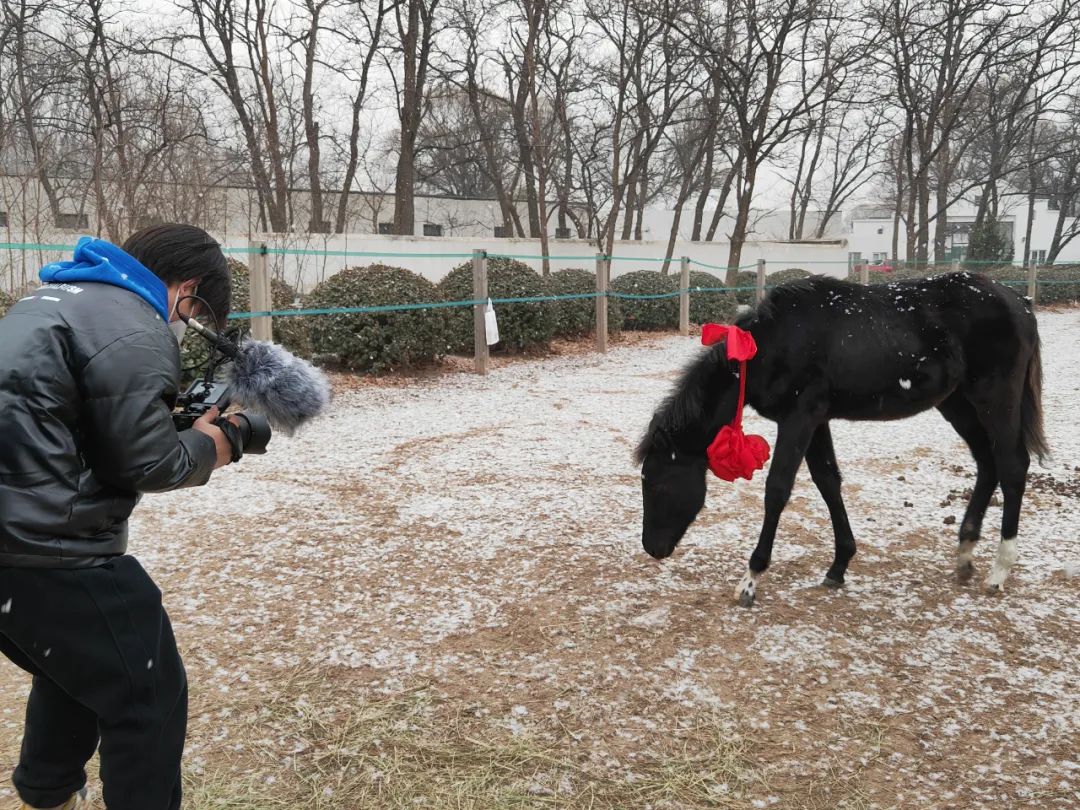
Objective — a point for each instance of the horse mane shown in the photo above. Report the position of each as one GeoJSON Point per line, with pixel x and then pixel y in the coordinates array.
{"type": "Point", "coordinates": [687, 406]}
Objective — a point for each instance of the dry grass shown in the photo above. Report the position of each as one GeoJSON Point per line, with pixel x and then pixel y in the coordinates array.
{"type": "Point", "coordinates": [412, 749]}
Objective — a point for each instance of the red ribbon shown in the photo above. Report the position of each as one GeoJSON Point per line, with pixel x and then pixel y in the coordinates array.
{"type": "Point", "coordinates": [733, 454]}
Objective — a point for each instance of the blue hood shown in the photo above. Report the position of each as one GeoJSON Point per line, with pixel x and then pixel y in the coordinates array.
{"type": "Point", "coordinates": [99, 261]}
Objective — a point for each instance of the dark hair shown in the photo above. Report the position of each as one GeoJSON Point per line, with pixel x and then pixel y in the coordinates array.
{"type": "Point", "coordinates": [176, 253]}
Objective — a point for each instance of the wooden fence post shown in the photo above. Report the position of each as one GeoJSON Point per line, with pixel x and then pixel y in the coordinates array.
{"type": "Point", "coordinates": [864, 273]}
{"type": "Point", "coordinates": [262, 327]}
{"type": "Point", "coordinates": [1033, 282]}
{"type": "Point", "coordinates": [956, 265]}
{"type": "Point", "coordinates": [480, 296]}
{"type": "Point", "coordinates": [760, 294]}
{"type": "Point", "coordinates": [603, 273]}
{"type": "Point", "coordinates": [684, 296]}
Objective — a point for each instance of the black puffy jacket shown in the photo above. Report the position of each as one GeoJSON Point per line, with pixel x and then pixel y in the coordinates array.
{"type": "Point", "coordinates": [89, 374]}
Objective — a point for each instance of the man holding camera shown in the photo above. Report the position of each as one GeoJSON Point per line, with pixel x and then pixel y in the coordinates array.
{"type": "Point", "coordinates": [89, 373]}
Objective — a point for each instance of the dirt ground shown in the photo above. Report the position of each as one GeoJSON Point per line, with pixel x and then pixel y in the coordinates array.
{"type": "Point", "coordinates": [436, 597]}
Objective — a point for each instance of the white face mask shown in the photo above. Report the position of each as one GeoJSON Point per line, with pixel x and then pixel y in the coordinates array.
{"type": "Point", "coordinates": [178, 326]}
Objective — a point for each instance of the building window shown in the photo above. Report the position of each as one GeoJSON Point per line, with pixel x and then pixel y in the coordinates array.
{"type": "Point", "coordinates": [320, 227]}
{"type": "Point", "coordinates": [880, 258]}
{"type": "Point", "coordinates": [431, 229]}
{"type": "Point", "coordinates": [3, 219]}
{"type": "Point", "coordinates": [72, 222]}
{"type": "Point", "coordinates": [854, 257]}
{"type": "Point", "coordinates": [562, 233]}
{"type": "Point", "coordinates": [149, 221]}
{"type": "Point", "coordinates": [386, 228]}
{"type": "Point", "coordinates": [881, 230]}
{"type": "Point", "coordinates": [1038, 256]}
{"type": "Point", "coordinates": [502, 232]}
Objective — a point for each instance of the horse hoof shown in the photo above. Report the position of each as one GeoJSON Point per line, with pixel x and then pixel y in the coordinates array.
{"type": "Point", "coordinates": [832, 583]}
{"type": "Point", "coordinates": [994, 588]}
{"type": "Point", "coordinates": [965, 572]}
{"type": "Point", "coordinates": [746, 599]}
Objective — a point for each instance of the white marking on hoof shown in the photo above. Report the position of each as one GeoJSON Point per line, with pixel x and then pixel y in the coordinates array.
{"type": "Point", "coordinates": [747, 588]}
{"type": "Point", "coordinates": [1006, 556]}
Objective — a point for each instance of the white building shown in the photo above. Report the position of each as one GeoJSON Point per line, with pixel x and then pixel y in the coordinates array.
{"type": "Point", "coordinates": [870, 231]}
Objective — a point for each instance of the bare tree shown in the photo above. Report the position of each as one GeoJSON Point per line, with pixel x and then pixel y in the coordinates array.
{"type": "Point", "coordinates": [778, 61]}
{"type": "Point", "coordinates": [363, 31]}
{"type": "Point", "coordinates": [1063, 183]}
{"type": "Point", "coordinates": [462, 66]}
{"type": "Point", "coordinates": [648, 70]}
{"type": "Point", "coordinates": [847, 155]}
{"type": "Point", "coordinates": [564, 70]}
{"type": "Point", "coordinates": [43, 79]}
{"type": "Point", "coordinates": [241, 61]}
{"type": "Point", "coordinates": [940, 51]}
{"type": "Point", "coordinates": [416, 28]}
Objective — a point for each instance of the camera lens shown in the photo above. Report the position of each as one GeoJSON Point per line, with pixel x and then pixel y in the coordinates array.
{"type": "Point", "coordinates": [254, 431]}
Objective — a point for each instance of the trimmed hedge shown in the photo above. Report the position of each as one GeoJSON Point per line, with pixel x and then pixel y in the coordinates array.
{"type": "Point", "coordinates": [652, 313]}
{"type": "Point", "coordinates": [291, 332]}
{"type": "Point", "coordinates": [710, 307]}
{"type": "Point", "coordinates": [577, 316]}
{"type": "Point", "coordinates": [521, 326]}
{"type": "Point", "coordinates": [378, 341]}
{"type": "Point", "coordinates": [783, 276]}
{"type": "Point", "coordinates": [6, 302]}
{"type": "Point", "coordinates": [746, 284]}
{"type": "Point", "coordinates": [1058, 293]}
{"type": "Point", "coordinates": [1055, 292]}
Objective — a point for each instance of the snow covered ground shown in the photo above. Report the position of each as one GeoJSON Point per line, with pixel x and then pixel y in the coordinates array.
{"type": "Point", "coordinates": [478, 539]}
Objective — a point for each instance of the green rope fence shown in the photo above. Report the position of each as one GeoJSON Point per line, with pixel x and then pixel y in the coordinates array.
{"type": "Point", "coordinates": [282, 251]}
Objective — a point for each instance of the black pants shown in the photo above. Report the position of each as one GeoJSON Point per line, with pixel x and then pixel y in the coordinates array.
{"type": "Point", "coordinates": [101, 650]}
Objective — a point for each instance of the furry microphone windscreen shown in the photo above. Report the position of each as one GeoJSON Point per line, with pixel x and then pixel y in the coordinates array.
{"type": "Point", "coordinates": [288, 391]}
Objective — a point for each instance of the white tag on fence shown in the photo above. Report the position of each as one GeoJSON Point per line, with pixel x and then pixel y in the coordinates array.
{"type": "Point", "coordinates": [491, 324]}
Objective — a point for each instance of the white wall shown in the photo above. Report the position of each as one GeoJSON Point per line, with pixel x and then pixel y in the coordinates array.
{"type": "Point", "coordinates": [305, 271]}
{"type": "Point", "coordinates": [310, 265]}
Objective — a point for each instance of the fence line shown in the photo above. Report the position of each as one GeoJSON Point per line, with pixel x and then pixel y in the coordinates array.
{"type": "Point", "coordinates": [262, 311]}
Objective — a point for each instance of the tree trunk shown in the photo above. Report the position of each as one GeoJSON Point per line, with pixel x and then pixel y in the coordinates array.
{"type": "Point", "coordinates": [643, 196]}
{"type": "Point", "coordinates": [1030, 222]}
{"type": "Point", "coordinates": [631, 209]}
{"type": "Point", "coordinates": [311, 126]}
{"type": "Point", "coordinates": [409, 115]}
{"type": "Point", "coordinates": [744, 197]}
{"type": "Point", "coordinates": [487, 142]}
{"type": "Point", "coordinates": [354, 132]}
{"type": "Point", "coordinates": [541, 160]}
{"type": "Point", "coordinates": [279, 207]}
{"type": "Point", "coordinates": [351, 166]}
{"type": "Point", "coordinates": [1062, 237]}
{"type": "Point", "coordinates": [706, 185]}
{"type": "Point", "coordinates": [898, 213]}
{"type": "Point", "coordinates": [941, 219]}
{"type": "Point", "coordinates": [725, 191]}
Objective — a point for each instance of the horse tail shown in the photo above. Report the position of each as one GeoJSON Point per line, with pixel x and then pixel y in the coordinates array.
{"type": "Point", "coordinates": [1031, 414]}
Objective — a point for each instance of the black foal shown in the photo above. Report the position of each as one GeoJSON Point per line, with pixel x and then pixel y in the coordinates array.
{"type": "Point", "coordinates": [829, 349]}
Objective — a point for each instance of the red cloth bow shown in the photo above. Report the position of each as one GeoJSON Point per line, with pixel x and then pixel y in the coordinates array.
{"type": "Point", "coordinates": [740, 343]}
{"type": "Point", "coordinates": [733, 454]}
